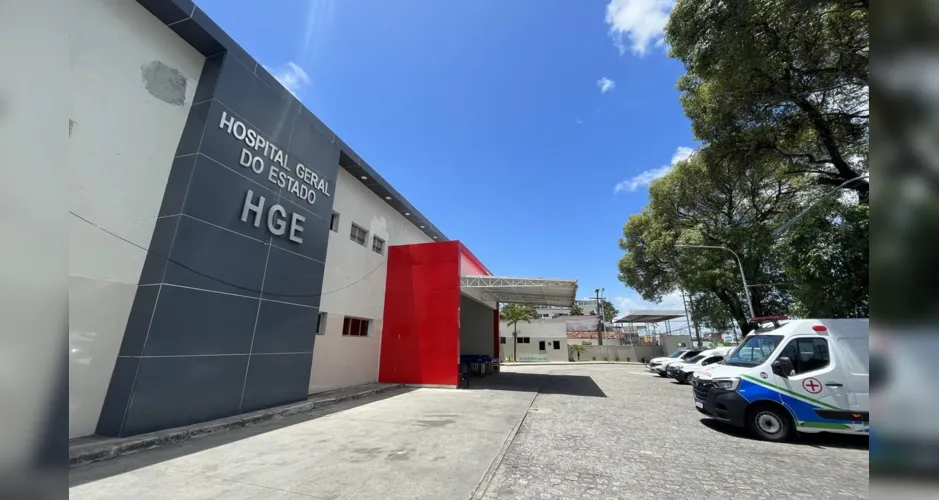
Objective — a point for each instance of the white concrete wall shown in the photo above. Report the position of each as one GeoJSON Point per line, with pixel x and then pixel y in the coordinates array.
{"type": "Point", "coordinates": [340, 361]}
{"type": "Point", "coordinates": [121, 146]}
{"type": "Point", "coordinates": [547, 330]}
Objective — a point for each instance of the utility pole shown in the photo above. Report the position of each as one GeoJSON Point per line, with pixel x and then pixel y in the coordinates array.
{"type": "Point", "coordinates": [743, 277]}
{"type": "Point", "coordinates": [599, 326]}
{"type": "Point", "coordinates": [697, 330]}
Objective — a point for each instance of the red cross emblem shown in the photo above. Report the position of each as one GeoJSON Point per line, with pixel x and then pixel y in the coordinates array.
{"type": "Point", "coordinates": [812, 386]}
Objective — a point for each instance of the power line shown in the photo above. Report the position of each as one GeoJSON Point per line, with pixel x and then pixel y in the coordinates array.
{"type": "Point", "coordinates": [219, 280]}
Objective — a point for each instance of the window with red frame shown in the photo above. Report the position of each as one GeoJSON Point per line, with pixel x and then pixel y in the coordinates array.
{"type": "Point", "coordinates": [355, 327]}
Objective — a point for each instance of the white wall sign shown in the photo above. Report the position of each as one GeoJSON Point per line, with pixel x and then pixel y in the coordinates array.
{"type": "Point", "coordinates": [532, 357]}
{"type": "Point", "coordinates": [262, 156]}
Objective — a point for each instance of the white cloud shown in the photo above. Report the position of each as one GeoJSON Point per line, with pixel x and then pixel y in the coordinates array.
{"type": "Point", "coordinates": [291, 76]}
{"type": "Point", "coordinates": [637, 25]}
{"type": "Point", "coordinates": [606, 85]}
{"type": "Point", "coordinates": [645, 178]}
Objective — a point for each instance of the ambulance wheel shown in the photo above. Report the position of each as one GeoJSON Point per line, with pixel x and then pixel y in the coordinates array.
{"type": "Point", "coordinates": [770, 422]}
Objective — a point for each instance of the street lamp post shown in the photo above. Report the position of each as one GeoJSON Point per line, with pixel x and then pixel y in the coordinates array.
{"type": "Point", "coordinates": [785, 225]}
{"type": "Point", "coordinates": [746, 288]}
{"type": "Point", "coordinates": [602, 319]}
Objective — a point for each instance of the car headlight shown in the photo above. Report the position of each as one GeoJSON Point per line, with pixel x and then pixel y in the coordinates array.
{"type": "Point", "coordinates": [727, 384]}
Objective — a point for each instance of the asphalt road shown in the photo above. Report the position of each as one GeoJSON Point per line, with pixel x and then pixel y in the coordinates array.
{"type": "Point", "coordinates": [615, 431]}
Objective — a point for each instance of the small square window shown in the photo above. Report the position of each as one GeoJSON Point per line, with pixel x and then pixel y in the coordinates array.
{"type": "Point", "coordinates": [321, 324]}
{"type": "Point", "coordinates": [378, 245]}
{"type": "Point", "coordinates": [501, 340]}
{"type": "Point", "coordinates": [557, 344]}
{"type": "Point", "coordinates": [334, 223]}
{"type": "Point", "coordinates": [355, 327]}
{"type": "Point", "coordinates": [358, 235]}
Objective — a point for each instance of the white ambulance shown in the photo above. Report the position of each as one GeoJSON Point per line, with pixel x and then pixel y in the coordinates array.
{"type": "Point", "coordinates": [806, 375]}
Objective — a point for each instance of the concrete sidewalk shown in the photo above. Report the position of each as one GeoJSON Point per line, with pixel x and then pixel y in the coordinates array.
{"type": "Point", "coordinates": [415, 443]}
{"type": "Point", "coordinates": [95, 448]}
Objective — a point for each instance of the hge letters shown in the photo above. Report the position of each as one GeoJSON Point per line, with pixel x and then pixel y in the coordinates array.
{"type": "Point", "coordinates": [276, 218]}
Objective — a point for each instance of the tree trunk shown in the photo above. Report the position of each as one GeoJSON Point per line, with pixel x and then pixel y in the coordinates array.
{"type": "Point", "coordinates": [515, 342]}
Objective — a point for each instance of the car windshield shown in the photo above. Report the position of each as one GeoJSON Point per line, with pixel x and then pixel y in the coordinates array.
{"type": "Point", "coordinates": [676, 354]}
{"type": "Point", "coordinates": [754, 350]}
{"type": "Point", "coordinates": [695, 359]}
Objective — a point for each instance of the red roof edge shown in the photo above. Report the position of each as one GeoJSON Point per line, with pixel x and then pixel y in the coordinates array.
{"type": "Point", "coordinates": [472, 257]}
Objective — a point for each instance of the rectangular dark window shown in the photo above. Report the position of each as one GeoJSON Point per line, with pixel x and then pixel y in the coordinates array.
{"type": "Point", "coordinates": [321, 324]}
{"type": "Point", "coordinates": [807, 354]}
{"type": "Point", "coordinates": [355, 327]}
{"type": "Point", "coordinates": [501, 340]}
{"type": "Point", "coordinates": [378, 245]}
{"type": "Point", "coordinates": [524, 340]}
{"type": "Point", "coordinates": [358, 235]}
{"type": "Point", "coordinates": [541, 345]}
{"type": "Point", "coordinates": [334, 223]}
{"type": "Point", "coordinates": [557, 344]}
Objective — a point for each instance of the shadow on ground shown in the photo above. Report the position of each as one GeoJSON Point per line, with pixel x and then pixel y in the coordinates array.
{"type": "Point", "coordinates": [544, 383]}
{"type": "Point", "coordinates": [820, 440]}
{"type": "Point", "coordinates": [86, 473]}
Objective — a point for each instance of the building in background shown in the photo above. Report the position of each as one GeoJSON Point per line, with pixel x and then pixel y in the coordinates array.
{"type": "Point", "coordinates": [541, 340]}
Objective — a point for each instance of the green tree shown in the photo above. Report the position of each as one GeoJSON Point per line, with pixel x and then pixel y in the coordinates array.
{"type": "Point", "coordinates": [578, 350]}
{"type": "Point", "coordinates": [825, 259]}
{"type": "Point", "coordinates": [576, 310]}
{"type": "Point", "coordinates": [786, 76]}
{"type": "Point", "coordinates": [512, 314]}
{"type": "Point", "coordinates": [609, 311]}
{"type": "Point", "coordinates": [718, 200]}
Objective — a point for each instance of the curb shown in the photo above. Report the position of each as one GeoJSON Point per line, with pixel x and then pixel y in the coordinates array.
{"type": "Point", "coordinates": [489, 478]}
{"type": "Point", "coordinates": [113, 448]}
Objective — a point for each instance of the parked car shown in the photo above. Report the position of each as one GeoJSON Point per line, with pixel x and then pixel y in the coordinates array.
{"type": "Point", "coordinates": [682, 370]}
{"type": "Point", "coordinates": [808, 375]}
{"type": "Point", "coordinates": [658, 365]}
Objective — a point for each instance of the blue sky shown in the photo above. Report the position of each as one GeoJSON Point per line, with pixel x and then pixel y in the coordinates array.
{"type": "Point", "coordinates": [527, 129]}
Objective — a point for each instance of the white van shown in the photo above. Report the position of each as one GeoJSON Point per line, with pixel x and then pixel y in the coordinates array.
{"type": "Point", "coordinates": [808, 375]}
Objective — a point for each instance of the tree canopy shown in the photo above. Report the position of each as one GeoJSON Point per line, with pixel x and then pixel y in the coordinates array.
{"type": "Point", "coordinates": [514, 313]}
{"type": "Point", "coordinates": [786, 76]}
{"type": "Point", "coordinates": [609, 311]}
{"type": "Point", "coordinates": [776, 91]}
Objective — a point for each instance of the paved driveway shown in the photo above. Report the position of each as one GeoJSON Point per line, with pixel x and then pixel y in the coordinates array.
{"type": "Point", "coordinates": [592, 431]}
{"type": "Point", "coordinates": [432, 444]}
{"type": "Point", "coordinates": [643, 438]}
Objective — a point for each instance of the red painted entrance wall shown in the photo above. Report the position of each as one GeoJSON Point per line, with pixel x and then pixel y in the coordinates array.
{"type": "Point", "coordinates": [420, 341]}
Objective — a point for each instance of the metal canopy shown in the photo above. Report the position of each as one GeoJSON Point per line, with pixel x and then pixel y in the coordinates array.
{"type": "Point", "coordinates": [649, 316]}
{"type": "Point", "coordinates": [530, 291]}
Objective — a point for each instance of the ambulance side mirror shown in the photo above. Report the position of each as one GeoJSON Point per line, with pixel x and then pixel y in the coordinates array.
{"type": "Point", "coordinates": [783, 367]}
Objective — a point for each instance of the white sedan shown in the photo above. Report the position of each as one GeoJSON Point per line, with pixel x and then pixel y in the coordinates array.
{"type": "Point", "coordinates": [682, 371]}
{"type": "Point", "coordinates": [658, 365]}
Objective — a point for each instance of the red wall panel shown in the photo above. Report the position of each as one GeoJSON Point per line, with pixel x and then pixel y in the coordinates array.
{"type": "Point", "coordinates": [420, 342]}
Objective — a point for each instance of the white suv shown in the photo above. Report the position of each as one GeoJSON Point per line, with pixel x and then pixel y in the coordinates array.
{"type": "Point", "coordinates": [659, 365]}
